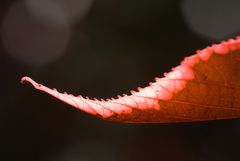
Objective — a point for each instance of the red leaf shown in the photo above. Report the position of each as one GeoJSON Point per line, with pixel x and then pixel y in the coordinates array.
{"type": "Point", "coordinates": [204, 86]}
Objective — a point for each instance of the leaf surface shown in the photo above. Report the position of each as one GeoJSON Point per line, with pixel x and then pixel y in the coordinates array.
{"type": "Point", "coordinates": [205, 86]}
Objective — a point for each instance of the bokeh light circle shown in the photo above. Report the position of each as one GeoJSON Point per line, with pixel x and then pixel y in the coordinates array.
{"type": "Point", "coordinates": [30, 41]}
{"type": "Point", "coordinates": [59, 11]}
{"type": "Point", "coordinates": [215, 19]}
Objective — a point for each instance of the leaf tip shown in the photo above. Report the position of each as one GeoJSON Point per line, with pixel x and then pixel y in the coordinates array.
{"type": "Point", "coordinates": [26, 79]}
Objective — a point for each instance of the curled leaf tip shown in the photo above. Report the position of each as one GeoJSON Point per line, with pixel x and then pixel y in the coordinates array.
{"type": "Point", "coordinates": [25, 80]}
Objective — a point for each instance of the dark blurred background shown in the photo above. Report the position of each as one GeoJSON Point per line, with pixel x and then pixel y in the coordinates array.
{"type": "Point", "coordinates": [102, 49]}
